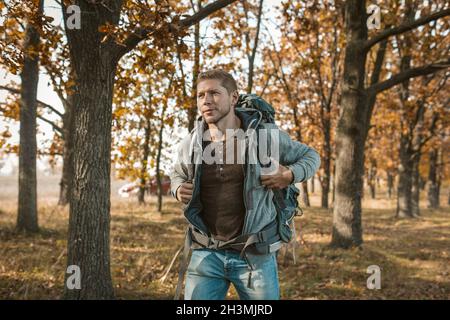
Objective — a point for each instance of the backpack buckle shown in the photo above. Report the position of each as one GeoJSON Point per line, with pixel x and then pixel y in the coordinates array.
{"type": "Point", "coordinates": [213, 243]}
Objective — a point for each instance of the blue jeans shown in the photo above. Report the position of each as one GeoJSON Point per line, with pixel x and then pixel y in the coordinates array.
{"type": "Point", "coordinates": [210, 273]}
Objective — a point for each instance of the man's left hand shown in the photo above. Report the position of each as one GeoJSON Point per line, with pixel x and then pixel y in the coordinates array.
{"type": "Point", "coordinates": [280, 179]}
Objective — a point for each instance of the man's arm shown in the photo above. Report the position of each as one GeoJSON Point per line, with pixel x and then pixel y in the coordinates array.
{"type": "Point", "coordinates": [179, 173]}
{"type": "Point", "coordinates": [301, 159]}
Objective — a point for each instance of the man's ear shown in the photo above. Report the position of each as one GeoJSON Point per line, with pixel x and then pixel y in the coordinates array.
{"type": "Point", "coordinates": [235, 97]}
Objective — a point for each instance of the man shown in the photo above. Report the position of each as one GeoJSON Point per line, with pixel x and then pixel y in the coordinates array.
{"type": "Point", "coordinates": [227, 199]}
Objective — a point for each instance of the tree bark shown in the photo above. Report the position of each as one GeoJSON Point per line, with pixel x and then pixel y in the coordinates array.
{"type": "Point", "coordinates": [89, 220]}
{"type": "Point", "coordinates": [67, 171]}
{"type": "Point", "coordinates": [158, 163]}
{"type": "Point", "coordinates": [27, 217]}
{"type": "Point", "coordinates": [304, 194]}
{"type": "Point", "coordinates": [433, 188]}
{"type": "Point", "coordinates": [192, 111]}
{"type": "Point", "coordinates": [415, 190]}
{"type": "Point", "coordinates": [144, 162]}
{"type": "Point", "coordinates": [326, 160]}
{"type": "Point", "coordinates": [371, 177]}
{"type": "Point", "coordinates": [405, 169]}
{"type": "Point", "coordinates": [251, 57]}
{"type": "Point", "coordinates": [390, 184]}
{"type": "Point", "coordinates": [416, 144]}
{"type": "Point", "coordinates": [351, 132]}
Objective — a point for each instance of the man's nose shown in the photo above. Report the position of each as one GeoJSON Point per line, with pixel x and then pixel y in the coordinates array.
{"type": "Point", "coordinates": [208, 98]}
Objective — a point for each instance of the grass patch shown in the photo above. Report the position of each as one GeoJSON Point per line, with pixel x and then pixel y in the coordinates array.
{"type": "Point", "coordinates": [412, 254]}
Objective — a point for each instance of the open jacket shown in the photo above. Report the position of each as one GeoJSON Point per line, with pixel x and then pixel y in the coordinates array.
{"type": "Point", "coordinates": [260, 209]}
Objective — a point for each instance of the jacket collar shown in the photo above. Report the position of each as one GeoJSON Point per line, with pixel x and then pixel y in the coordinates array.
{"type": "Point", "coordinates": [251, 118]}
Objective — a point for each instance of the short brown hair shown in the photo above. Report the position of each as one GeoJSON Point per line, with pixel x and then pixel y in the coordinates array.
{"type": "Point", "coordinates": [226, 79]}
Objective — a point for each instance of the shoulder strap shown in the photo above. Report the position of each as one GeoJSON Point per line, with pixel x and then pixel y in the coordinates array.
{"type": "Point", "coordinates": [184, 263]}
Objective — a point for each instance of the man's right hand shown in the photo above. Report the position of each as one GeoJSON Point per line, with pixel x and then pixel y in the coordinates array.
{"type": "Point", "coordinates": [184, 192]}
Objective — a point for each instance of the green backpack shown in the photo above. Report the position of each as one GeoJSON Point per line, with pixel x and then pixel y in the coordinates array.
{"type": "Point", "coordinates": [285, 199]}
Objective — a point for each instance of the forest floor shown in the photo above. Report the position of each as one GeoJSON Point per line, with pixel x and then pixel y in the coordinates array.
{"type": "Point", "coordinates": [413, 254]}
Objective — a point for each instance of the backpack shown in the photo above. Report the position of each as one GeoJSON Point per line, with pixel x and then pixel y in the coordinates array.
{"type": "Point", "coordinates": [285, 200]}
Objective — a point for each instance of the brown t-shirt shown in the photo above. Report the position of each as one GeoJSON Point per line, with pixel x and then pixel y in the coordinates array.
{"type": "Point", "coordinates": [221, 194]}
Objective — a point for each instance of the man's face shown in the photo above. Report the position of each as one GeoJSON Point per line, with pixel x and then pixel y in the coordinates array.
{"type": "Point", "coordinates": [213, 100]}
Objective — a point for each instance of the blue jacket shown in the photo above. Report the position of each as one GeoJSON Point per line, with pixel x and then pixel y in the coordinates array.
{"type": "Point", "coordinates": [303, 161]}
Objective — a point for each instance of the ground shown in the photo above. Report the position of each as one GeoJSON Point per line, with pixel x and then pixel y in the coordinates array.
{"type": "Point", "coordinates": [413, 254]}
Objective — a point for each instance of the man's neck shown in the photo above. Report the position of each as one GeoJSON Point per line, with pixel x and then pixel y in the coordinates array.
{"type": "Point", "coordinates": [218, 130]}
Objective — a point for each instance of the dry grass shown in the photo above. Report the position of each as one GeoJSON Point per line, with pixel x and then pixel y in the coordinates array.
{"type": "Point", "coordinates": [413, 254]}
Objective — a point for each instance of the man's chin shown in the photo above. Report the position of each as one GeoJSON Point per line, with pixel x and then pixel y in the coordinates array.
{"type": "Point", "coordinates": [210, 120]}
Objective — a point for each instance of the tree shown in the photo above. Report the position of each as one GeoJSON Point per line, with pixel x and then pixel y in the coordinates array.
{"type": "Point", "coordinates": [95, 50]}
{"type": "Point", "coordinates": [27, 218]}
{"type": "Point", "coordinates": [312, 37]}
{"type": "Point", "coordinates": [143, 88]}
{"type": "Point", "coordinates": [357, 104]}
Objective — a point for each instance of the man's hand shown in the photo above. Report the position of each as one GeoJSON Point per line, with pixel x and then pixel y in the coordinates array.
{"type": "Point", "coordinates": [184, 192]}
{"type": "Point", "coordinates": [280, 179]}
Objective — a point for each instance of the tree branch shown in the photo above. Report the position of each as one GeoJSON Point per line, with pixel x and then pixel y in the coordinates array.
{"type": "Point", "coordinates": [142, 33]}
{"type": "Point", "coordinates": [204, 12]}
{"type": "Point", "coordinates": [404, 28]}
{"type": "Point", "coordinates": [55, 127]}
{"type": "Point", "coordinates": [407, 74]}
{"type": "Point", "coordinates": [42, 104]}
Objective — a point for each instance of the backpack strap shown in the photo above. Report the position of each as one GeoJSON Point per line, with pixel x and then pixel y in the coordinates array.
{"type": "Point", "coordinates": [184, 263]}
{"type": "Point", "coordinates": [264, 241]}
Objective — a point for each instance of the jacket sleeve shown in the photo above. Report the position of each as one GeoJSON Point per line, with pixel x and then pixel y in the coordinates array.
{"type": "Point", "coordinates": [303, 160]}
{"type": "Point", "coordinates": [179, 171]}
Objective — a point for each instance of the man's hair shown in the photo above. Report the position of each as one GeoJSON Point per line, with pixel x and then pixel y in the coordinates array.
{"type": "Point", "coordinates": [226, 80]}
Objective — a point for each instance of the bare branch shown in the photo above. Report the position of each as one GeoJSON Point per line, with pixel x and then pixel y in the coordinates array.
{"type": "Point", "coordinates": [407, 74]}
{"type": "Point", "coordinates": [404, 28]}
{"type": "Point", "coordinates": [42, 104]}
{"type": "Point", "coordinates": [54, 125]}
{"type": "Point", "coordinates": [204, 12]}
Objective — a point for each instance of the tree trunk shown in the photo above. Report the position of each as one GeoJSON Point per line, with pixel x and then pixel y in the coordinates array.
{"type": "Point", "coordinates": [67, 171]}
{"type": "Point", "coordinates": [89, 220]}
{"type": "Point", "coordinates": [94, 58]}
{"type": "Point", "coordinates": [304, 194]}
{"type": "Point", "coordinates": [192, 111]}
{"type": "Point", "coordinates": [27, 218]}
{"type": "Point", "coordinates": [351, 132]}
{"type": "Point", "coordinates": [145, 155]}
{"type": "Point", "coordinates": [158, 163]}
{"type": "Point", "coordinates": [404, 188]}
{"type": "Point", "coordinates": [433, 188]}
{"type": "Point", "coordinates": [313, 184]}
{"type": "Point", "coordinates": [390, 184]}
{"type": "Point", "coordinates": [371, 177]}
{"type": "Point", "coordinates": [415, 190]}
{"type": "Point", "coordinates": [251, 57]}
{"type": "Point", "coordinates": [326, 160]}
{"type": "Point", "coordinates": [334, 184]}
{"type": "Point", "coordinates": [406, 166]}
